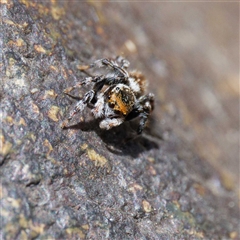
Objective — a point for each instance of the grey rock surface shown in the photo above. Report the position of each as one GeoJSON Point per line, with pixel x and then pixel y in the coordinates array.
{"type": "Point", "coordinates": [178, 180]}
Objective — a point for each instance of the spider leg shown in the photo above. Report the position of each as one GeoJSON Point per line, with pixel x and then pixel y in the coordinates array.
{"type": "Point", "coordinates": [98, 63]}
{"type": "Point", "coordinates": [109, 63]}
{"type": "Point", "coordinates": [85, 81]}
{"type": "Point", "coordinates": [124, 62]}
{"type": "Point", "coordinates": [142, 109]}
{"type": "Point", "coordinates": [147, 98]}
{"type": "Point", "coordinates": [143, 119]}
{"type": "Point", "coordinates": [88, 97]}
{"type": "Point", "coordinates": [115, 66]}
{"type": "Point", "coordinates": [72, 96]}
{"type": "Point", "coordinates": [80, 105]}
{"type": "Point", "coordinates": [147, 102]}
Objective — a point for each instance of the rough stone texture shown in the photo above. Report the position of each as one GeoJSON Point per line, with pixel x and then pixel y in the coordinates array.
{"type": "Point", "coordinates": [176, 181]}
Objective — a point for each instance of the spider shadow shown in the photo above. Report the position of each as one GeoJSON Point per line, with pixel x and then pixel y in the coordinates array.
{"type": "Point", "coordinates": [121, 140]}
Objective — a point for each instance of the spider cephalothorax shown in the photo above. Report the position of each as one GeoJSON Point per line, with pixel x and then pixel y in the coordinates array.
{"type": "Point", "coordinates": [122, 99]}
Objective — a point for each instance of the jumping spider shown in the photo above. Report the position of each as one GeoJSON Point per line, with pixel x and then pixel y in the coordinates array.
{"type": "Point", "coordinates": [122, 98]}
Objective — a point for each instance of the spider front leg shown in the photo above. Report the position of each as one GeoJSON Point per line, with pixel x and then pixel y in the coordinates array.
{"type": "Point", "coordinates": [98, 63]}
{"type": "Point", "coordinates": [85, 81]}
{"type": "Point", "coordinates": [124, 62]}
{"type": "Point", "coordinates": [142, 109]}
{"type": "Point", "coordinates": [147, 103]}
{"type": "Point", "coordinates": [80, 105]}
{"type": "Point", "coordinates": [105, 62]}
{"type": "Point", "coordinates": [88, 97]}
{"type": "Point", "coordinates": [143, 119]}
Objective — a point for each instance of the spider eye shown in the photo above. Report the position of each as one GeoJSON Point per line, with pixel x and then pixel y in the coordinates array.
{"type": "Point", "coordinates": [117, 89]}
{"type": "Point", "coordinates": [111, 105]}
{"type": "Point", "coordinates": [117, 112]}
